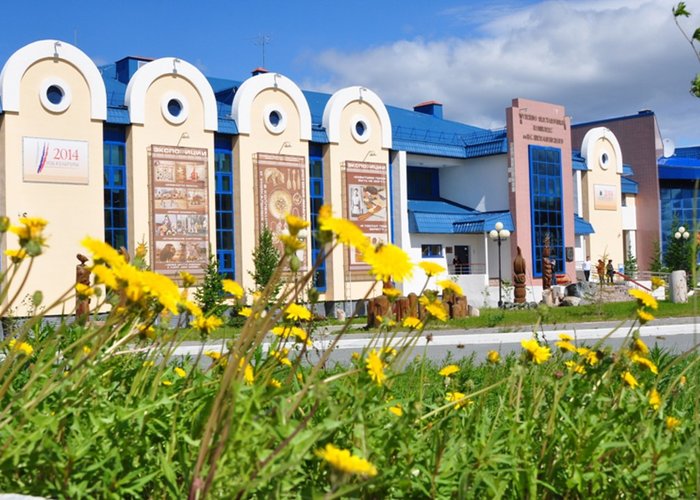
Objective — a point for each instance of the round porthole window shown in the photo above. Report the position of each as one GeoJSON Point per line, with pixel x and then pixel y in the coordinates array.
{"type": "Point", "coordinates": [55, 95]}
{"type": "Point", "coordinates": [604, 161]}
{"type": "Point", "coordinates": [360, 129]}
{"type": "Point", "coordinates": [275, 119]}
{"type": "Point", "coordinates": [174, 108]}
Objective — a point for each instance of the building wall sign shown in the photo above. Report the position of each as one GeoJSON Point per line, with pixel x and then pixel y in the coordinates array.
{"type": "Point", "coordinates": [366, 195]}
{"type": "Point", "coordinates": [179, 210]}
{"type": "Point", "coordinates": [281, 190]}
{"type": "Point", "coordinates": [604, 197]}
{"type": "Point", "coordinates": [538, 128]}
{"type": "Point", "coordinates": [55, 161]}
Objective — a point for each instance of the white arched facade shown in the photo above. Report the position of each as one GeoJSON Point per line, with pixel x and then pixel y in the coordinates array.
{"type": "Point", "coordinates": [20, 61]}
{"type": "Point", "coordinates": [588, 146]}
{"type": "Point", "coordinates": [135, 97]}
{"type": "Point", "coordinates": [340, 99]}
{"type": "Point", "coordinates": [248, 91]}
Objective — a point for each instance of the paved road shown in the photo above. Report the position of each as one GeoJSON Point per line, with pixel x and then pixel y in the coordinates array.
{"type": "Point", "coordinates": [676, 335]}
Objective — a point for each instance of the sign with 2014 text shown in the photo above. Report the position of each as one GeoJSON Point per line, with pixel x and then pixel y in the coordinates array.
{"type": "Point", "coordinates": [54, 161]}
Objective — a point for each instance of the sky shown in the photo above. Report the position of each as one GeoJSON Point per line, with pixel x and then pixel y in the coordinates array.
{"type": "Point", "coordinates": [598, 58]}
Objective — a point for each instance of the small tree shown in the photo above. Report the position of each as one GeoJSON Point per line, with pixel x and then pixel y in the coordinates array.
{"type": "Point", "coordinates": [678, 255]}
{"type": "Point", "coordinates": [631, 267]}
{"type": "Point", "coordinates": [656, 264]}
{"type": "Point", "coordinates": [210, 294]}
{"type": "Point", "coordinates": [266, 258]}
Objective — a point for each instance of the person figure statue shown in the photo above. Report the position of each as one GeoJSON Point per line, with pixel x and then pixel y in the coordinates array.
{"type": "Point", "coordinates": [519, 267]}
{"type": "Point", "coordinates": [546, 266]}
{"type": "Point", "coordinates": [82, 276]}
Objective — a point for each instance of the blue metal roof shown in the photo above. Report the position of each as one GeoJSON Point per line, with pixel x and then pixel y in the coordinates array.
{"type": "Point", "coordinates": [628, 186]}
{"type": "Point", "coordinates": [578, 162]}
{"type": "Point", "coordinates": [582, 226]}
{"type": "Point", "coordinates": [679, 168]}
{"type": "Point", "coordinates": [687, 152]}
{"type": "Point", "coordinates": [414, 132]}
{"type": "Point", "coordinates": [445, 217]}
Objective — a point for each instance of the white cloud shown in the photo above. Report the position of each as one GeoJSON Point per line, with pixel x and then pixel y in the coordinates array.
{"type": "Point", "coordinates": [599, 58]}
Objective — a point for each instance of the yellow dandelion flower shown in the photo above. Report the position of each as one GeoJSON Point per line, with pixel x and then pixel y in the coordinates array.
{"type": "Point", "coordinates": [565, 345]}
{"type": "Point", "coordinates": [295, 224]}
{"type": "Point", "coordinates": [657, 282]}
{"type": "Point", "coordinates": [645, 299]}
{"type": "Point", "coordinates": [84, 291]}
{"type": "Point", "coordinates": [103, 252]}
{"type": "Point", "coordinates": [672, 423]}
{"type": "Point", "coordinates": [535, 352]}
{"type": "Point", "coordinates": [640, 347]}
{"type": "Point", "coordinates": [166, 383]}
{"type": "Point", "coordinates": [412, 322]}
{"type": "Point", "coordinates": [147, 331]}
{"type": "Point", "coordinates": [431, 268]}
{"type": "Point", "coordinates": [180, 372]}
{"type": "Point", "coordinates": [682, 381]}
{"type": "Point", "coordinates": [389, 351]}
{"type": "Point", "coordinates": [281, 356]}
{"type": "Point", "coordinates": [245, 312]}
{"type": "Point", "coordinates": [274, 383]}
{"type": "Point", "coordinates": [214, 355]}
{"type": "Point", "coordinates": [149, 363]}
{"type": "Point", "coordinates": [459, 399]}
{"type": "Point", "coordinates": [346, 232]}
{"type": "Point", "coordinates": [493, 357]}
{"type": "Point", "coordinates": [344, 461]}
{"type": "Point", "coordinates": [575, 367]}
{"type": "Point", "coordinates": [565, 337]}
{"type": "Point", "coordinates": [206, 325]}
{"type": "Point", "coordinates": [232, 288]}
{"type": "Point", "coordinates": [291, 243]}
{"type": "Point", "coordinates": [451, 286]}
{"type": "Point", "coordinates": [629, 380]}
{"type": "Point", "coordinates": [448, 370]}
{"type": "Point", "coordinates": [16, 255]}
{"type": "Point", "coordinates": [644, 317]}
{"type": "Point", "coordinates": [583, 351]}
{"type": "Point", "coordinates": [187, 279]}
{"type": "Point", "coordinates": [21, 347]}
{"type": "Point", "coordinates": [375, 367]}
{"type": "Point", "coordinates": [86, 350]}
{"type": "Point", "coordinates": [435, 308]}
{"type": "Point", "coordinates": [391, 293]}
{"type": "Point", "coordinates": [396, 410]}
{"type": "Point", "coordinates": [388, 262]}
{"type": "Point", "coordinates": [105, 275]}
{"type": "Point", "coordinates": [141, 250]}
{"type": "Point", "coordinates": [248, 374]}
{"type": "Point", "coordinates": [355, 356]}
{"type": "Point", "coordinates": [654, 399]}
{"type": "Point", "coordinates": [645, 362]}
{"type": "Point", "coordinates": [593, 357]}
{"type": "Point", "coordinates": [295, 312]}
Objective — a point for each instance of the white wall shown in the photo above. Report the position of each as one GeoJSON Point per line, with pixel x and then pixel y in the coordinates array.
{"type": "Point", "coordinates": [478, 183]}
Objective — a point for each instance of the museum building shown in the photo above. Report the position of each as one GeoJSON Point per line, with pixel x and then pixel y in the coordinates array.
{"type": "Point", "coordinates": [153, 151]}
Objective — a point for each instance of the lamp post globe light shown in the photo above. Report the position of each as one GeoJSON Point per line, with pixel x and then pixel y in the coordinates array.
{"type": "Point", "coordinates": [499, 235]}
{"type": "Point", "coordinates": [682, 233]}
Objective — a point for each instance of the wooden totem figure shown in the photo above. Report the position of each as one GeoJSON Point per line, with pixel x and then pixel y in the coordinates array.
{"type": "Point", "coordinates": [546, 266]}
{"type": "Point", "coordinates": [519, 267]}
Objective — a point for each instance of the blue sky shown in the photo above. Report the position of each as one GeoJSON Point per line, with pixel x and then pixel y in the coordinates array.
{"type": "Point", "coordinates": [599, 58]}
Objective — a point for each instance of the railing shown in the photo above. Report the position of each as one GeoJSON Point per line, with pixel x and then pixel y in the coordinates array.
{"type": "Point", "coordinates": [471, 268]}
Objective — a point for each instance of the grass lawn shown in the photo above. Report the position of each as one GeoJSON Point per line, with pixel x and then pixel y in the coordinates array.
{"type": "Point", "coordinates": [514, 319]}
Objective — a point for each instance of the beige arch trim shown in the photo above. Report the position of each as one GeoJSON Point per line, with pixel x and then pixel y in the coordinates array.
{"type": "Point", "coordinates": [343, 97]}
{"type": "Point", "coordinates": [135, 98]}
{"type": "Point", "coordinates": [21, 60]}
{"type": "Point", "coordinates": [248, 91]}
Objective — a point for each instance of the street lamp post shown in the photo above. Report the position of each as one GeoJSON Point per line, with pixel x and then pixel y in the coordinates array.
{"type": "Point", "coordinates": [499, 234]}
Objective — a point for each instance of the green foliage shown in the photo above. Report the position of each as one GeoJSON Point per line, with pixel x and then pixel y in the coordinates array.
{"type": "Point", "coordinates": [656, 264]}
{"type": "Point", "coordinates": [266, 257]}
{"type": "Point", "coordinates": [631, 265]}
{"type": "Point", "coordinates": [678, 255]}
{"type": "Point", "coordinates": [679, 11]}
{"type": "Point", "coordinates": [210, 295]}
